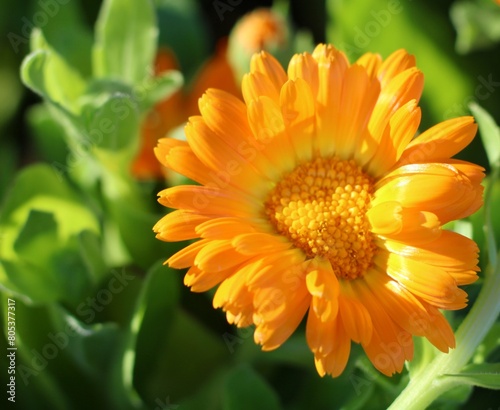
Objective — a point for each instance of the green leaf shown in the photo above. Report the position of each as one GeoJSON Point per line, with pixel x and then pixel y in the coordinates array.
{"type": "Point", "coordinates": [39, 187]}
{"type": "Point", "coordinates": [490, 133]}
{"type": "Point", "coordinates": [92, 347]}
{"type": "Point", "coordinates": [486, 375]}
{"type": "Point", "coordinates": [65, 358]}
{"type": "Point", "coordinates": [184, 338]}
{"type": "Point", "coordinates": [48, 268]}
{"type": "Point", "coordinates": [74, 46]}
{"type": "Point", "coordinates": [40, 258]}
{"type": "Point", "coordinates": [47, 74]}
{"type": "Point", "coordinates": [247, 390]}
{"type": "Point", "coordinates": [156, 304]}
{"type": "Point", "coordinates": [37, 237]}
{"type": "Point", "coordinates": [489, 344]}
{"type": "Point", "coordinates": [91, 252]}
{"type": "Point", "coordinates": [29, 282]}
{"type": "Point", "coordinates": [126, 38]}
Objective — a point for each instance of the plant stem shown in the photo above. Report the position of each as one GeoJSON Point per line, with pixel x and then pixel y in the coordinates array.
{"type": "Point", "coordinates": [428, 385]}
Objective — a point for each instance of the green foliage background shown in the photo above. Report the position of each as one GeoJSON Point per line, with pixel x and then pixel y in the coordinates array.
{"type": "Point", "coordinates": [100, 322]}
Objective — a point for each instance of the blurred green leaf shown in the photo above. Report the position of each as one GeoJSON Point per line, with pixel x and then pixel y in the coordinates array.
{"type": "Point", "coordinates": [485, 375]}
{"type": "Point", "coordinates": [91, 253]}
{"type": "Point", "coordinates": [67, 33]}
{"type": "Point", "coordinates": [92, 346]}
{"type": "Point", "coordinates": [156, 304]}
{"type": "Point", "coordinates": [48, 269]}
{"type": "Point", "coordinates": [65, 358]}
{"type": "Point", "coordinates": [247, 390]}
{"type": "Point", "coordinates": [29, 282]}
{"type": "Point", "coordinates": [477, 24]}
{"type": "Point", "coordinates": [46, 73]}
{"type": "Point", "coordinates": [40, 257]}
{"type": "Point", "coordinates": [37, 237]}
{"type": "Point", "coordinates": [183, 363]}
{"type": "Point", "coordinates": [489, 344]}
{"type": "Point", "coordinates": [126, 37]}
{"type": "Point", "coordinates": [490, 133]}
{"type": "Point", "coordinates": [478, 221]}
{"type": "Point", "coordinates": [39, 187]}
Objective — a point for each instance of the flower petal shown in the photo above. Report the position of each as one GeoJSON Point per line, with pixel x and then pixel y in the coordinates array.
{"type": "Point", "coordinates": [389, 219]}
{"type": "Point", "coordinates": [390, 345]}
{"type": "Point", "coordinates": [436, 187]}
{"type": "Point", "coordinates": [454, 253]}
{"type": "Point", "coordinates": [431, 283]}
{"type": "Point", "coordinates": [299, 116]}
{"type": "Point", "coordinates": [218, 255]}
{"type": "Point", "coordinates": [441, 141]}
{"type": "Point", "coordinates": [179, 226]}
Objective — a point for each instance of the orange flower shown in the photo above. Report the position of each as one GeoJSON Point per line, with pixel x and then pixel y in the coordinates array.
{"type": "Point", "coordinates": [261, 29]}
{"type": "Point", "coordinates": [315, 199]}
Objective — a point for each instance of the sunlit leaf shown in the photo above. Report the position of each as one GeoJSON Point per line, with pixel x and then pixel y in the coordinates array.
{"type": "Point", "coordinates": [490, 133]}
{"type": "Point", "coordinates": [49, 75]}
{"type": "Point", "coordinates": [485, 375]}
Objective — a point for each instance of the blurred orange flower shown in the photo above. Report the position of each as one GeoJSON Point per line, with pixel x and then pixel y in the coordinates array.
{"type": "Point", "coordinates": [174, 111]}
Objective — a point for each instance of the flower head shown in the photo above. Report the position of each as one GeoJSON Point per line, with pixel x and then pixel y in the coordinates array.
{"type": "Point", "coordinates": [316, 200]}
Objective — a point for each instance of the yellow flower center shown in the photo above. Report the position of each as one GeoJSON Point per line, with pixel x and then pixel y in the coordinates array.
{"type": "Point", "coordinates": [321, 207]}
